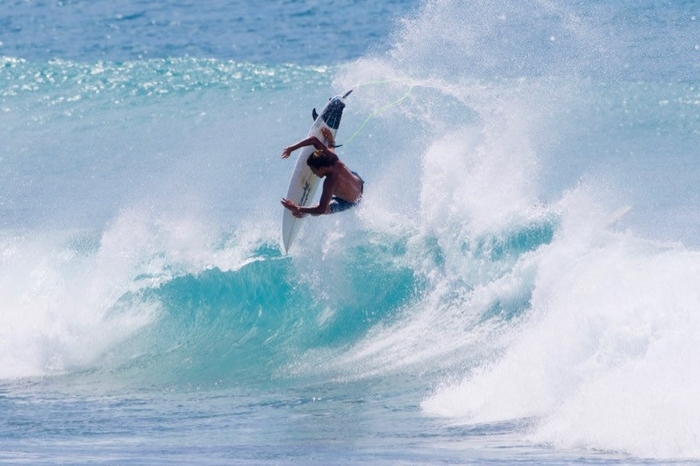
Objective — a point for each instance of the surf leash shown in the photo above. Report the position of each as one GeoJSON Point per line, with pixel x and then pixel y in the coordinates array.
{"type": "Point", "coordinates": [378, 109]}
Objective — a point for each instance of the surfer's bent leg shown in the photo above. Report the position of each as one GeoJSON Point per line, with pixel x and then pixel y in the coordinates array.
{"type": "Point", "coordinates": [362, 183]}
{"type": "Point", "coordinates": [338, 205]}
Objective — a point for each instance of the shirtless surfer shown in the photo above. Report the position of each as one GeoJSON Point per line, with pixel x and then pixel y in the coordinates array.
{"type": "Point", "coordinates": [342, 188]}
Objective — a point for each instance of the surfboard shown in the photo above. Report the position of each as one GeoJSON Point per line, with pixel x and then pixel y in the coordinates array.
{"type": "Point", "coordinates": [303, 184]}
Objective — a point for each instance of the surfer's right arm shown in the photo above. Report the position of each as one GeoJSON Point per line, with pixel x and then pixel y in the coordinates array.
{"type": "Point", "coordinates": [310, 141]}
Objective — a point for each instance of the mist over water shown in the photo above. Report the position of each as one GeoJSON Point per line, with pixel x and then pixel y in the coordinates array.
{"type": "Point", "coordinates": [554, 168]}
{"type": "Point", "coordinates": [524, 258]}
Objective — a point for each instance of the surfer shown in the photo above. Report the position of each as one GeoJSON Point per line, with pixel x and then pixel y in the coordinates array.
{"type": "Point", "coordinates": [342, 188]}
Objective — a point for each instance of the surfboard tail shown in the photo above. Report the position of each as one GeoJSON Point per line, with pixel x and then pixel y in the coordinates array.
{"type": "Point", "coordinates": [333, 112]}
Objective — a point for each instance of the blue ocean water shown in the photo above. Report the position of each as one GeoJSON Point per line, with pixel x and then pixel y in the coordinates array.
{"type": "Point", "coordinates": [521, 282]}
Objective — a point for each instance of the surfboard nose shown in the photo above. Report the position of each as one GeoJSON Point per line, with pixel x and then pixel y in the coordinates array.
{"type": "Point", "coordinates": [333, 112]}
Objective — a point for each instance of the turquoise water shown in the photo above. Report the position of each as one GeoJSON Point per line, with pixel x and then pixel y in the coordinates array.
{"type": "Point", "coordinates": [519, 284]}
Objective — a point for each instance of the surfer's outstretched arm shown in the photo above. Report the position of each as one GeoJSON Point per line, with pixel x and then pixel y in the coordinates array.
{"type": "Point", "coordinates": [310, 141]}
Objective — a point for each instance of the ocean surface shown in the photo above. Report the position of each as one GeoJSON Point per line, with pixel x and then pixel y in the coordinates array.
{"type": "Point", "coordinates": [520, 284]}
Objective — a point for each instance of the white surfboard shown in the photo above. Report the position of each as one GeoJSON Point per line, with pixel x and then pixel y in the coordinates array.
{"type": "Point", "coordinates": [303, 183]}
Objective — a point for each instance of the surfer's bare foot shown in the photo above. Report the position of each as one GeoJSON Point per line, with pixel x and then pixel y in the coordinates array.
{"type": "Point", "coordinates": [328, 136]}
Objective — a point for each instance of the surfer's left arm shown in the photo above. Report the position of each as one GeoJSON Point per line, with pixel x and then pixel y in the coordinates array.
{"type": "Point", "coordinates": [310, 141]}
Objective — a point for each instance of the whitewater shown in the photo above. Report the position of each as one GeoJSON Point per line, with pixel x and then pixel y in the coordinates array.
{"type": "Point", "coordinates": [521, 282]}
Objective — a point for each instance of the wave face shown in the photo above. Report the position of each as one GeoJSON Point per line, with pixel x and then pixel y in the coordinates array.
{"type": "Point", "coordinates": [525, 251]}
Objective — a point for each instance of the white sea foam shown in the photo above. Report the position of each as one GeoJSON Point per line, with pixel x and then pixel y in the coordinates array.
{"type": "Point", "coordinates": [605, 359]}
{"type": "Point", "coordinates": [68, 297]}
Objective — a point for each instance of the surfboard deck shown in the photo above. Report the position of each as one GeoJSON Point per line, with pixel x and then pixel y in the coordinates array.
{"type": "Point", "coordinates": [303, 183]}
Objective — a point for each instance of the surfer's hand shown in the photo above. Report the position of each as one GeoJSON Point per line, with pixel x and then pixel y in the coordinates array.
{"type": "Point", "coordinates": [290, 205]}
{"type": "Point", "coordinates": [286, 152]}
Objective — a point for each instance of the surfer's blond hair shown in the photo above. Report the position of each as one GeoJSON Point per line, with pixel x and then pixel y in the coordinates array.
{"type": "Point", "coordinates": [321, 158]}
